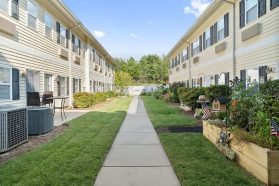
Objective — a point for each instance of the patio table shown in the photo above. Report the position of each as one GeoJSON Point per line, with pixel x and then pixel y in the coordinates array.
{"type": "Point", "coordinates": [62, 107]}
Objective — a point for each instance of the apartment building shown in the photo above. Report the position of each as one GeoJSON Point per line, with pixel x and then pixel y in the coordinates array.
{"type": "Point", "coordinates": [232, 38]}
{"type": "Point", "coordinates": [44, 47]}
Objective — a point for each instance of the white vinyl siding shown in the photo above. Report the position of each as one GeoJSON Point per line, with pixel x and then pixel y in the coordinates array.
{"type": "Point", "coordinates": [5, 83]}
{"type": "Point", "coordinates": [32, 15]}
{"type": "Point", "coordinates": [48, 83]}
{"type": "Point", "coordinates": [220, 29]}
{"type": "Point", "coordinates": [48, 25]}
{"type": "Point", "coordinates": [251, 10]}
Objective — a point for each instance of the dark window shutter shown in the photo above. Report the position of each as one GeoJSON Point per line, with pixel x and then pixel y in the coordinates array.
{"type": "Point", "coordinates": [274, 4]}
{"type": "Point", "coordinates": [74, 85]}
{"type": "Point", "coordinates": [261, 7]}
{"type": "Point", "coordinates": [227, 78]}
{"type": "Point", "coordinates": [226, 24]}
{"type": "Point", "coordinates": [215, 33]}
{"type": "Point", "coordinates": [73, 42]}
{"type": "Point", "coordinates": [187, 56]}
{"type": "Point", "coordinates": [242, 13]}
{"type": "Point", "coordinates": [79, 45]}
{"type": "Point", "coordinates": [67, 38]}
{"type": "Point", "coordinates": [200, 49]}
{"type": "Point", "coordinates": [243, 77]}
{"type": "Point", "coordinates": [201, 81]}
{"type": "Point", "coordinates": [203, 37]}
{"type": "Point", "coordinates": [68, 86]}
{"type": "Point", "coordinates": [211, 34]}
{"type": "Point", "coordinates": [15, 9]}
{"type": "Point", "coordinates": [188, 83]}
{"type": "Point", "coordinates": [192, 83]}
{"type": "Point", "coordinates": [216, 79]}
{"type": "Point", "coordinates": [15, 84]}
{"type": "Point", "coordinates": [192, 50]}
{"type": "Point", "coordinates": [58, 32]}
{"type": "Point", "coordinates": [58, 86]}
{"type": "Point", "coordinates": [263, 73]}
{"type": "Point", "coordinates": [79, 84]}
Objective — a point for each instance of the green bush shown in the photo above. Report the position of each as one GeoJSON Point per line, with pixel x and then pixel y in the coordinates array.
{"type": "Point", "coordinates": [217, 90]}
{"type": "Point", "coordinates": [191, 96]}
{"type": "Point", "coordinates": [85, 99]}
{"type": "Point", "coordinates": [270, 88]}
{"type": "Point", "coordinates": [174, 91]}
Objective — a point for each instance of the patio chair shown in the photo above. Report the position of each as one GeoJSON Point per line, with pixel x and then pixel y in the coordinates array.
{"type": "Point", "coordinates": [46, 101]}
{"type": "Point", "coordinates": [33, 99]}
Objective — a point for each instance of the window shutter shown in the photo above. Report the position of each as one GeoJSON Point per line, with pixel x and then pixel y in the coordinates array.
{"type": "Point", "coordinates": [68, 86]}
{"type": "Point", "coordinates": [263, 74]}
{"type": "Point", "coordinates": [79, 47]}
{"type": "Point", "coordinates": [192, 83]}
{"type": "Point", "coordinates": [58, 86]}
{"type": "Point", "coordinates": [73, 42]}
{"type": "Point", "coordinates": [58, 32]}
{"type": "Point", "coordinates": [187, 56]}
{"type": "Point", "coordinates": [79, 84]}
{"type": "Point", "coordinates": [274, 4]}
{"type": "Point", "coordinates": [216, 79]}
{"type": "Point", "coordinates": [243, 77]}
{"type": "Point", "coordinates": [226, 24]}
{"type": "Point", "coordinates": [261, 7]}
{"type": "Point", "coordinates": [67, 38]}
{"type": "Point", "coordinates": [188, 83]}
{"type": "Point", "coordinates": [200, 43]}
{"type": "Point", "coordinates": [211, 35]}
{"type": "Point", "coordinates": [227, 78]}
{"type": "Point", "coordinates": [15, 83]}
{"type": "Point", "coordinates": [74, 85]}
{"type": "Point", "coordinates": [203, 37]}
{"type": "Point", "coordinates": [215, 33]}
{"type": "Point", "coordinates": [15, 9]}
{"type": "Point", "coordinates": [201, 81]}
{"type": "Point", "coordinates": [192, 50]}
{"type": "Point", "coordinates": [242, 13]}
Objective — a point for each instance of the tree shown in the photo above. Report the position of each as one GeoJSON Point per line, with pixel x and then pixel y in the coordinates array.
{"type": "Point", "coordinates": [122, 80]}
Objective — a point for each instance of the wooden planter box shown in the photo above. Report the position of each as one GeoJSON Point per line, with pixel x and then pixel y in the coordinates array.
{"type": "Point", "coordinates": [261, 162]}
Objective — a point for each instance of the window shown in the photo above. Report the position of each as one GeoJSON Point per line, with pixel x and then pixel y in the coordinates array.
{"type": "Point", "coordinates": [76, 44]}
{"type": "Point", "coordinates": [5, 83]}
{"type": "Point", "coordinates": [207, 38]}
{"type": "Point", "coordinates": [220, 29]}
{"type": "Point", "coordinates": [48, 82]}
{"type": "Point", "coordinates": [33, 81]}
{"type": "Point", "coordinates": [76, 85]}
{"type": "Point", "coordinates": [196, 46]}
{"type": "Point", "coordinates": [63, 86]}
{"type": "Point", "coordinates": [62, 35]}
{"type": "Point", "coordinates": [32, 15]}
{"type": "Point", "coordinates": [185, 54]}
{"type": "Point", "coordinates": [274, 4]}
{"type": "Point", "coordinates": [48, 26]}
{"type": "Point", "coordinates": [4, 6]}
{"type": "Point", "coordinates": [251, 10]}
{"type": "Point", "coordinates": [91, 86]}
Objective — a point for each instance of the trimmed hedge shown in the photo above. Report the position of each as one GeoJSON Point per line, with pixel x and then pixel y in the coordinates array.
{"type": "Point", "coordinates": [85, 99]}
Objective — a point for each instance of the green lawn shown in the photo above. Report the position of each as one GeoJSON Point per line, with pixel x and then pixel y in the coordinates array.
{"type": "Point", "coordinates": [196, 161]}
{"type": "Point", "coordinates": [73, 158]}
{"type": "Point", "coordinates": [164, 115]}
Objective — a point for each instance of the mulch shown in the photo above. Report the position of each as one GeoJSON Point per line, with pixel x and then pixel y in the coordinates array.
{"type": "Point", "coordinates": [32, 143]}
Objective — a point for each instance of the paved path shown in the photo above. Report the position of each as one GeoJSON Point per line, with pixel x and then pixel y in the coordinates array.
{"type": "Point", "coordinates": [137, 157]}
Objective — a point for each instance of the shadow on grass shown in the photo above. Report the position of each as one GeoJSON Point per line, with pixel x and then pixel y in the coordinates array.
{"type": "Point", "coordinates": [73, 158]}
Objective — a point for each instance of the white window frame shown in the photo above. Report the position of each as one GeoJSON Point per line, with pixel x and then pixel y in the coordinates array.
{"type": "Point", "coordinates": [246, 11]}
{"type": "Point", "coordinates": [27, 14]}
{"type": "Point", "coordinates": [63, 85]}
{"type": "Point", "coordinates": [76, 47]}
{"type": "Point", "coordinates": [51, 79]}
{"type": "Point", "coordinates": [65, 39]}
{"type": "Point", "coordinates": [221, 28]}
{"type": "Point", "coordinates": [10, 83]}
{"type": "Point", "coordinates": [76, 85]}
{"type": "Point", "coordinates": [207, 38]}
{"type": "Point", "coordinates": [196, 47]}
{"type": "Point", "coordinates": [47, 14]}
{"type": "Point", "coordinates": [9, 8]}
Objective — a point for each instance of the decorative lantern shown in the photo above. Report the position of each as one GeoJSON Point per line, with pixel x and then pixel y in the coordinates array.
{"type": "Point", "coordinates": [219, 104]}
{"type": "Point", "coordinates": [202, 98]}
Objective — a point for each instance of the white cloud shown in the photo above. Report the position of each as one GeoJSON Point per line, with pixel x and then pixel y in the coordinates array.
{"type": "Point", "coordinates": [134, 35]}
{"type": "Point", "coordinates": [197, 7]}
{"type": "Point", "coordinates": [99, 33]}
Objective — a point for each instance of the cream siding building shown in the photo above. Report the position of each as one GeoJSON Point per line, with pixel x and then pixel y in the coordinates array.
{"type": "Point", "coordinates": [221, 50]}
{"type": "Point", "coordinates": [52, 50]}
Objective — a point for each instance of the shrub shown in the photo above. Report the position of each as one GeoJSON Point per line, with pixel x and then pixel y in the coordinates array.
{"type": "Point", "coordinates": [270, 88]}
{"type": "Point", "coordinates": [191, 97]}
{"type": "Point", "coordinates": [174, 90]}
{"type": "Point", "coordinates": [217, 90]}
{"type": "Point", "coordinates": [85, 99]}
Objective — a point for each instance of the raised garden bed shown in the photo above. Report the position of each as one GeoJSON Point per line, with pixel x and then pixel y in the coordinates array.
{"type": "Point", "coordinates": [261, 162]}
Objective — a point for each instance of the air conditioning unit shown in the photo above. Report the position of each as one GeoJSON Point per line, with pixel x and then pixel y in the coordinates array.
{"type": "Point", "coordinates": [13, 127]}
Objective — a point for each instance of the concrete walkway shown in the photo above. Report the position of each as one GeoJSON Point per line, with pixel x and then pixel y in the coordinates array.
{"type": "Point", "coordinates": [137, 157]}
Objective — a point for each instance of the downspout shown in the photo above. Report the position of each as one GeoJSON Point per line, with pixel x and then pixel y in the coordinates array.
{"type": "Point", "coordinates": [234, 39]}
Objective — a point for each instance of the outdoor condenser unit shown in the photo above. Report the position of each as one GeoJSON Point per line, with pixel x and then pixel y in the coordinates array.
{"type": "Point", "coordinates": [13, 127]}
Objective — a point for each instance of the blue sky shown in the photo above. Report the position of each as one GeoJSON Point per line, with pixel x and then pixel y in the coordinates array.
{"type": "Point", "coordinates": [133, 28]}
